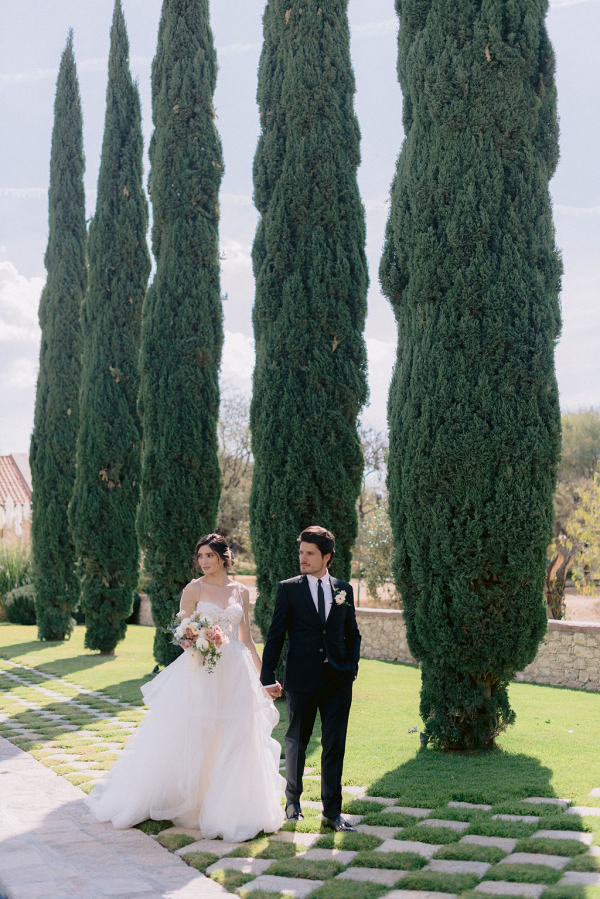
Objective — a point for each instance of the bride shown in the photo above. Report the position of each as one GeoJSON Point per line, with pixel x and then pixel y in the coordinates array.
{"type": "Point", "coordinates": [203, 756]}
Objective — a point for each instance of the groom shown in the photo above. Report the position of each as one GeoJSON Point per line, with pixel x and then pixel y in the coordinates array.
{"type": "Point", "coordinates": [317, 613]}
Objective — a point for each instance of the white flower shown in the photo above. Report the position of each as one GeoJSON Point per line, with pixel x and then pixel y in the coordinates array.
{"type": "Point", "coordinates": [193, 628]}
{"type": "Point", "coordinates": [181, 614]}
{"type": "Point", "coordinates": [201, 643]}
{"type": "Point", "coordinates": [180, 631]}
{"type": "Point", "coordinates": [185, 623]}
{"type": "Point", "coordinates": [340, 597]}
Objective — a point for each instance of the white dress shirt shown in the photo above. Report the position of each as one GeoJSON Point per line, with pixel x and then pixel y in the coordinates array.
{"type": "Point", "coordinates": [313, 584]}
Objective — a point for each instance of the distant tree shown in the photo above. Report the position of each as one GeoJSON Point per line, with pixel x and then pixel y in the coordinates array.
{"type": "Point", "coordinates": [583, 538]}
{"type": "Point", "coordinates": [235, 459]}
{"type": "Point", "coordinates": [104, 504]}
{"type": "Point", "coordinates": [56, 420]}
{"type": "Point", "coordinates": [311, 285]}
{"type": "Point", "coordinates": [471, 269]}
{"type": "Point", "coordinates": [182, 323]}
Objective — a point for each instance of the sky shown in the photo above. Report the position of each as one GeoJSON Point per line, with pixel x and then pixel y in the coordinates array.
{"type": "Point", "coordinates": [32, 38]}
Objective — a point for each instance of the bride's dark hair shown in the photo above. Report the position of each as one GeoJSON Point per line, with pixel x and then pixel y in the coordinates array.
{"type": "Point", "coordinates": [219, 545]}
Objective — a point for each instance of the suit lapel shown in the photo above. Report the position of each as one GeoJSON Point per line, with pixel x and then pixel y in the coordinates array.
{"type": "Point", "coordinates": [308, 597]}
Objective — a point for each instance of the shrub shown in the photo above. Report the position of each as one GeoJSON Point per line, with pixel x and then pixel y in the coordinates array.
{"type": "Point", "coordinates": [19, 605]}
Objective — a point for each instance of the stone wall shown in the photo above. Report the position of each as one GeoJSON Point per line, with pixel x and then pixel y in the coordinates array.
{"type": "Point", "coordinates": [568, 657]}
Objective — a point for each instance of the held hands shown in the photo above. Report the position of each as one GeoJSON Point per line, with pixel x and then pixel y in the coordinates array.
{"type": "Point", "coordinates": [274, 690]}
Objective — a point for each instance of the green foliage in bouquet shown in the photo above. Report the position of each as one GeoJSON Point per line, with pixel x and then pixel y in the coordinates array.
{"type": "Point", "coordinates": [472, 272]}
{"type": "Point", "coordinates": [182, 330]}
{"type": "Point", "coordinates": [311, 285]}
{"type": "Point", "coordinates": [104, 504]}
{"type": "Point", "coordinates": [56, 421]}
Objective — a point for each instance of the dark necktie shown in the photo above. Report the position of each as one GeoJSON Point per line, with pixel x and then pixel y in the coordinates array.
{"type": "Point", "coordinates": [321, 601]}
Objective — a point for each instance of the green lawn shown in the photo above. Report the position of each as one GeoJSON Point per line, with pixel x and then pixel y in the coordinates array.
{"type": "Point", "coordinates": [552, 750]}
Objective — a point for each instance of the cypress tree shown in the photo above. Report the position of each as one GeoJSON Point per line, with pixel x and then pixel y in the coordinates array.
{"type": "Point", "coordinates": [311, 285]}
{"type": "Point", "coordinates": [182, 329]}
{"type": "Point", "coordinates": [472, 272]}
{"type": "Point", "coordinates": [104, 504]}
{"type": "Point", "coordinates": [56, 419]}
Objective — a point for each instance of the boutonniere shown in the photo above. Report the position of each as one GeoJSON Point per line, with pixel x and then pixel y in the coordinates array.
{"type": "Point", "coordinates": [340, 598]}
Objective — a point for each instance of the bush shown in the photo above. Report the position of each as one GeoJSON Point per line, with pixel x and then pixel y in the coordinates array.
{"type": "Point", "coordinates": [15, 569]}
{"type": "Point", "coordinates": [20, 605]}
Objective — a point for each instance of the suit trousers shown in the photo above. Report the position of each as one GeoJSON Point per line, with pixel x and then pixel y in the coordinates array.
{"type": "Point", "coordinates": [333, 702]}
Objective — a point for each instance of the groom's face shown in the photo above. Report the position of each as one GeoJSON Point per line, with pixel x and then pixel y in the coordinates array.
{"type": "Point", "coordinates": [311, 559]}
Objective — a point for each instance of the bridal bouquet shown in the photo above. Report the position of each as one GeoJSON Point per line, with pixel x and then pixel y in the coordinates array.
{"type": "Point", "coordinates": [198, 633]}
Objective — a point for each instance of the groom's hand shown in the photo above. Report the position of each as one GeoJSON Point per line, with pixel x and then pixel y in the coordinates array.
{"type": "Point", "coordinates": [274, 690]}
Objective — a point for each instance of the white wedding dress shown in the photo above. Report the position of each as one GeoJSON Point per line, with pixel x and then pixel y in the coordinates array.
{"type": "Point", "coordinates": [203, 756]}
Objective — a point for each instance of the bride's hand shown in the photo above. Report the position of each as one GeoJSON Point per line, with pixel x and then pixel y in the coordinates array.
{"type": "Point", "coordinates": [275, 690]}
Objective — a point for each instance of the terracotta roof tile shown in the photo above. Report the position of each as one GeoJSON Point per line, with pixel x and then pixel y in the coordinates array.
{"type": "Point", "coordinates": [12, 482]}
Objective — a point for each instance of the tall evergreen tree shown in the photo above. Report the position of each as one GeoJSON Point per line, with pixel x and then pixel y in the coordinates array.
{"type": "Point", "coordinates": [104, 504]}
{"type": "Point", "coordinates": [472, 272]}
{"type": "Point", "coordinates": [57, 404]}
{"type": "Point", "coordinates": [182, 329]}
{"type": "Point", "coordinates": [311, 286]}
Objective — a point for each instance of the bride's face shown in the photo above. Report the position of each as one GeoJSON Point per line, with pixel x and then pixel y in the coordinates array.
{"type": "Point", "coordinates": [209, 561]}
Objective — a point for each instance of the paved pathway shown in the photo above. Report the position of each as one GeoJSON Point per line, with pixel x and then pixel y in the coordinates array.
{"type": "Point", "coordinates": [52, 848]}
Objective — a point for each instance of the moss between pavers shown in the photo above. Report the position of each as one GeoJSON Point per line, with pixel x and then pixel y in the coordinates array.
{"type": "Point", "coordinates": [468, 852]}
{"type": "Point", "coordinates": [395, 861]}
{"type": "Point", "coordinates": [174, 841]}
{"type": "Point", "coordinates": [564, 822]}
{"type": "Point", "coordinates": [352, 841]}
{"type": "Point", "coordinates": [231, 880]}
{"type": "Point", "coordinates": [512, 829]}
{"type": "Point", "coordinates": [518, 807]}
{"type": "Point", "coordinates": [523, 874]}
{"type": "Point", "coordinates": [264, 894]}
{"type": "Point", "coordinates": [311, 824]}
{"type": "Point", "coordinates": [306, 869]}
{"type": "Point", "coordinates": [434, 881]}
{"type": "Point", "coordinates": [200, 860]}
{"type": "Point", "coordinates": [362, 807]}
{"type": "Point", "coordinates": [459, 814]}
{"type": "Point", "coordinates": [551, 847]}
{"type": "Point", "coordinates": [567, 892]}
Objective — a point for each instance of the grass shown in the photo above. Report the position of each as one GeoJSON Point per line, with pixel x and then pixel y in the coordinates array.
{"type": "Point", "coordinates": [154, 827]}
{"type": "Point", "coordinates": [265, 848]}
{"type": "Point", "coordinates": [174, 841]}
{"type": "Point", "coordinates": [200, 860]}
{"type": "Point", "coordinates": [310, 870]}
{"type": "Point", "coordinates": [569, 892]}
{"type": "Point", "coordinates": [587, 863]}
{"type": "Point", "coordinates": [352, 841]}
{"type": "Point", "coordinates": [231, 880]}
{"type": "Point", "coordinates": [523, 874]}
{"type": "Point", "coordinates": [433, 881]}
{"type": "Point", "coordinates": [551, 847]}
{"type": "Point", "coordinates": [395, 861]}
{"type": "Point", "coordinates": [514, 829]}
{"type": "Point", "coordinates": [434, 835]}
{"type": "Point", "coordinates": [393, 819]}
{"type": "Point", "coordinates": [467, 852]}
{"type": "Point", "coordinates": [343, 889]}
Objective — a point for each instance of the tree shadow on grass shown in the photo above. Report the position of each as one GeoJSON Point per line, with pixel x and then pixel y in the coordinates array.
{"type": "Point", "coordinates": [433, 778]}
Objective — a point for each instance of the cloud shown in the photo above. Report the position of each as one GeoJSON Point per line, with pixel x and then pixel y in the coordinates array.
{"type": "Point", "coordinates": [236, 199]}
{"type": "Point", "coordinates": [381, 357]}
{"type": "Point", "coordinates": [238, 362]}
{"type": "Point", "coordinates": [557, 4]}
{"type": "Point", "coordinates": [21, 374]}
{"type": "Point", "coordinates": [237, 49]}
{"type": "Point", "coordinates": [19, 301]}
{"type": "Point", "coordinates": [236, 253]}
{"type": "Point", "coordinates": [576, 210]}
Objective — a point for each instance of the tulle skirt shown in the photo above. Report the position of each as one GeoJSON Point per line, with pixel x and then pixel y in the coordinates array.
{"type": "Point", "coordinates": [203, 756]}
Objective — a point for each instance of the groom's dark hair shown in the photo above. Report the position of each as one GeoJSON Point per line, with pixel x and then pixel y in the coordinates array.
{"type": "Point", "coordinates": [321, 537]}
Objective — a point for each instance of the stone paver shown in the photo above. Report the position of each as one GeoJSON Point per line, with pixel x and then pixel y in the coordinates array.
{"type": "Point", "coordinates": [478, 806]}
{"type": "Point", "coordinates": [583, 810]}
{"type": "Point", "coordinates": [216, 847]}
{"type": "Point", "coordinates": [547, 800]}
{"type": "Point", "coordinates": [446, 866]}
{"type": "Point", "coordinates": [187, 831]}
{"type": "Point", "coordinates": [594, 850]}
{"type": "Point", "coordinates": [504, 888]}
{"type": "Point", "coordinates": [577, 835]}
{"type": "Point", "coordinates": [427, 850]}
{"type": "Point", "coordinates": [245, 865]}
{"type": "Point", "coordinates": [384, 876]}
{"type": "Point", "coordinates": [381, 800]}
{"type": "Point", "coordinates": [301, 839]}
{"type": "Point", "coordinates": [507, 844]}
{"type": "Point", "coordinates": [557, 862]}
{"type": "Point", "coordinates": [595, 792]}
{"type": "Point", "coordinates": [524, 819]}
{"type": "Point", "coordinates": [580, 877]}
{"type": "Point", "coordinates": [293, 886]}
{"type": "Point", "coordinates": [384, 833]}
{"type": "Point", "coordinates": [418, 894]}
{"type": "Point", "coordinates": [408, 810]}
{"type": "Point", "coordinates": [458, 826]}
{"type": "Point", "coordinates": [343, 856]}
{"type": "Point", "coordinates": [359, 792]}
{"type": "Point", "coordinates": [51, 847]}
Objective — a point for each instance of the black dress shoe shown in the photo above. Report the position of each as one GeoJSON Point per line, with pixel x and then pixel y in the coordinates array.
{"type": "Point", "coordinates": [339, 825]}
{"type": "Point", "coordinates": [293, 812]}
